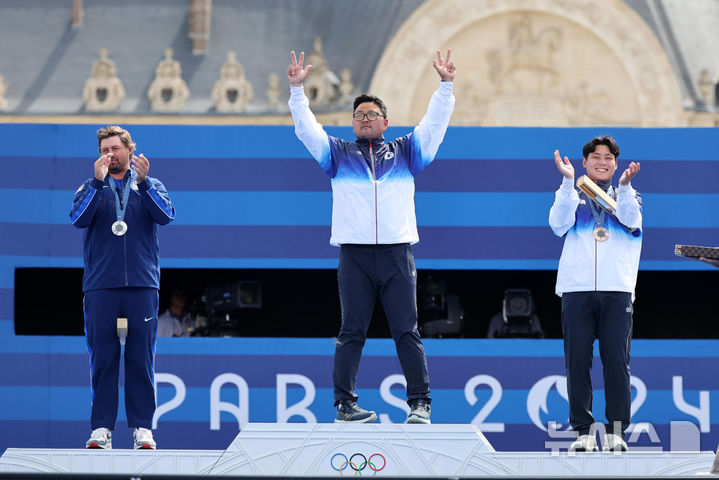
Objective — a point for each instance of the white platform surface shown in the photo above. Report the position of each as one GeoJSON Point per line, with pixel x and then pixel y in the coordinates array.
{"type": "Point", "coordinates": [329, 450]}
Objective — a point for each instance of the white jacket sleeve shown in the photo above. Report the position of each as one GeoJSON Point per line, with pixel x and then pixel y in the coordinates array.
{"type": "Point", "coordinates": [308, 129]}
{"type": "Point", "coordinates": [562, 215]}
{"type": "Point", "coordinates": [629, 212]}
{"type": "Point", "coordinates": [431, 129]}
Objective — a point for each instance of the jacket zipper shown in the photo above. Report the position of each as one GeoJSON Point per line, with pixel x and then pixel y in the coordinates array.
{"type": "Point", "coordinates": [374, 181]}
{"type": "Point", "coordinates": [124, 246]}
{"type": "Point", "coordinates": [124, 239]}
{"type": "Point", "coordinates": [596, 262]}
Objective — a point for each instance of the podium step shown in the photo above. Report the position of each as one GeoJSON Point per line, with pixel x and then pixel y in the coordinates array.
{"type": "Point", "coordinates": [334, 449]}
{"type": "Point", "coordinates": [116, 461]}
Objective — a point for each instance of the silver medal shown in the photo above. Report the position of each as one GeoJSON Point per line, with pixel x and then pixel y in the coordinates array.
{"type": "Point", "coordinates": [119, 228]}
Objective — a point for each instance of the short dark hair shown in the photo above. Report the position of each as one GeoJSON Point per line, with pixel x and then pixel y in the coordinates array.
{"type": "Point", "coordinates": [592, 144]}
{"type": "Point", "coordinates": [364, 98]}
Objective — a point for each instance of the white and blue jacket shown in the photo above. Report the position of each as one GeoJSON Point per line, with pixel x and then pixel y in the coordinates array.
{"type": "Point", "coordinates": [132, 260]}
{"type": "Point", "coordinates": [589, 265]}
{"type": "Point", "coordinates": [374, 207]}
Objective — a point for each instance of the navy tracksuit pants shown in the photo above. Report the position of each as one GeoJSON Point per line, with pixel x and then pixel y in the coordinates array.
{"type": "Point", "coordinates": [606, 316]}
{"type": "Point", "coordinates": [368, 273]}
{"type": "Point", "coordinates": [102, 309]}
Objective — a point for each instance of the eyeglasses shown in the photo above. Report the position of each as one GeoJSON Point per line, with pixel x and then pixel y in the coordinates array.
{"type": "Point", "coordinates": [371, 116]}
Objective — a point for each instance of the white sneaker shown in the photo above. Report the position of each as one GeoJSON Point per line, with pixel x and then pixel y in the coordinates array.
{"type": "Point", "coordinates": [100, 438]}
{"type": "Point", "coordinates": [614, 443]}
{"type": "Point", "coordinates": [142, 439]}
{"type": "Point", "coordinates": [585, 443]}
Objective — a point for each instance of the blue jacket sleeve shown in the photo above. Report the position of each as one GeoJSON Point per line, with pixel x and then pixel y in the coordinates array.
{"type": "Point", "coordinates": [156, 200]}
{"type": "Point", "coordinates": [85, 203]}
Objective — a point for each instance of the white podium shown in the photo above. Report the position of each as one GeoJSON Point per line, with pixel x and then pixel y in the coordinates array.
{"type": "Point", "coordinates": [326, 449]}
{"type": "Point", "coordinates": [376, 449]}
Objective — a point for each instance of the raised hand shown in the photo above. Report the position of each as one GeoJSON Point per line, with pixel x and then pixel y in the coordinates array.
{"type": "Point", "coordinates": [102, 166]}
{"type": "Point", "coordinates": [629, 173]}
{"type": "Point", "coordinates": [296, 73]}
{"type": "Point", "coordinates": [564, 166]}
{"type": "Point", "coordinates": [445, 68]}
{"type": "Point", "coordinates": [141, 165]}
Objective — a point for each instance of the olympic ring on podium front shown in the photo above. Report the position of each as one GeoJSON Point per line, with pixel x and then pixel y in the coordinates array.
{"type": "Point", "coordinates": [358, 466]}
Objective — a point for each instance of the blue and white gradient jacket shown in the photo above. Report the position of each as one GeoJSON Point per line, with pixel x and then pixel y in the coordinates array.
{"type": "Point", "coordinates": [374, 208]}
{"type": "Point", "coordinates": [589, 265]}
{"type": "Point", "coordinates": [132, 260]}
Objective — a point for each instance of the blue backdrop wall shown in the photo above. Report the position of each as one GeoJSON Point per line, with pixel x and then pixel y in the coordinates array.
{"type": "Point", "coordinates": [250, 197]}
{"type": "Point", "coordinates": [207, 388]}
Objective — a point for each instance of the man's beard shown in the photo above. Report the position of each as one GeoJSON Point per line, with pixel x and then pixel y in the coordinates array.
{"type": "Point", "coordinates": [114, 167]}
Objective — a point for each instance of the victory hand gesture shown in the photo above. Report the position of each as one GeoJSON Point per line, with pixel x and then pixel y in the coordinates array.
{"type": "Point", "coordinates": [295, 72]}
{"type": "Point", "coordinates": [629, 173]}
{"type": "Point", "coordinates": [564, 166]}
{"type": "Point", "coordinates": [445, 68]}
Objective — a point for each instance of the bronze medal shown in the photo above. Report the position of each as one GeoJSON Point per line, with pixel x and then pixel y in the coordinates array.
{"type": "Point", "coordinates": [601, 234]}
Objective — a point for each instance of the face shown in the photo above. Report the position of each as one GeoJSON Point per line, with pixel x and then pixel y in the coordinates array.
{"type": "Point", "coordinates": [366, 128]}
{"type": "Point", "coordinates": [177, 305]}
{"type": "Point", "coordinates": [120, 154]}
{"type": "Point", "coordinates": [600, 164]}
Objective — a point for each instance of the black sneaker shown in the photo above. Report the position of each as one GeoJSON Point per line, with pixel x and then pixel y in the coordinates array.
{"type": "Point", "coordinates": [419, 412]}
{"type": "Point", "coordinates": [349, 412]}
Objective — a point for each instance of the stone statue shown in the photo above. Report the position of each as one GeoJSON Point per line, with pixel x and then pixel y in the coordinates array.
{"type": "Point", "coordinates": [168, 92]}
{"type": "Point", "coordinates": [526, 65]}
{"type": "Point", "coordinates": [232, 91]}
{"type": "Point", "coordinates": [347, 88]}
{"type": "Point", "coordinates": [103, 91]}
{"type": "Point", "coordinates": [273, 91]}
{"type": "Point", "coordinates": [706, 88]}
{"type": "Point", "coordinates": [321, 83]}
{"type": "Point", "coordinates": [3, 88]}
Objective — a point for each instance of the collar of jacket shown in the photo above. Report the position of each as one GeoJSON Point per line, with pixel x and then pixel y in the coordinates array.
{"type": "Point", "coordinates": [376, 142]}
{"type": "Point", "coordinates": [604, 184]}
{"type": "Point", "coordinates": [109, 178]}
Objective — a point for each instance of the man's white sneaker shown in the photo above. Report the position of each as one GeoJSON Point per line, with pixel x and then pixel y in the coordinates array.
{"type": "Point", "coordinates": [142, 439]}
{"type": "Point", "coordinates": [585, 443]}
{"type": "Point", "coordinates": [100, 438]}
{"type": "Point", "coordinates": [614, 443]}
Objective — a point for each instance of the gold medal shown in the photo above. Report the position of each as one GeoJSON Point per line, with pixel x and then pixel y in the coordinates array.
{"type": "Point", "coordinates": [601, 234]}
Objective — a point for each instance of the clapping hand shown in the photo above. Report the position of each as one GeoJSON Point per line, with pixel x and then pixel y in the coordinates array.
{"type": "Point", "coordinates": [141, 165]}
{"type": "Point", "coordinates": [564, 166]}
{"type": "Point", "coordinates": [102, 166]}
{"type": "Point", "coordinates": [629, 173]}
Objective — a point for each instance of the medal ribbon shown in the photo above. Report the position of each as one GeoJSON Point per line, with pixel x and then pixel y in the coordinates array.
{"type": "Point", "coordinates": [120, 207]}
{"type": "Point", "coordinates": [600, 215]}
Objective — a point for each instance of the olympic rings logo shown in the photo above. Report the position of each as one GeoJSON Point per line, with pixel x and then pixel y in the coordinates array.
{"type": "Point", "coordinates": [358, 462]}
